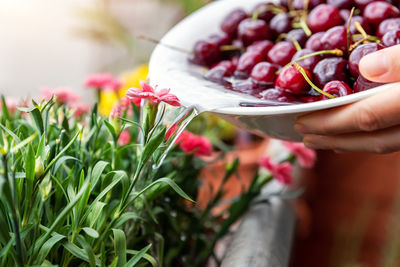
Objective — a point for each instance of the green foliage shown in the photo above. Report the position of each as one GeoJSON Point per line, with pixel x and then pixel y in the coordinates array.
{"type": "Point", "coordinates": [71, 195]}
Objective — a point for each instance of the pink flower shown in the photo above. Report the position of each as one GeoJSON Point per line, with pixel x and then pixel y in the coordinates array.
{"type": "Point", "coordinates": [80, 109]}
{"type": "Point", "coordinates": [126, 102]}
{"type": "Point", "coordinates": [191, 143]}
{"type": "Point", "coordinates": [282, 172]}
{"type": "Point", "coordinates": [102, 81]}
{"type": "Point", "coordinates": [147, 92]}
{"type": "Point", "coordinates": [11, 103]}
{"type": "Point", "coordinates": [116, 112]}
{"type": "Point", "coordinates": [305, 156]}
{"type": "Point", "coordinates": [124, 138]}
{"type": "Point", "coordinates": [62, 95]}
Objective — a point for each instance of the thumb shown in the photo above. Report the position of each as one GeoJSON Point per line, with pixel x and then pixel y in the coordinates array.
{"type": "Point", "coordinates": [382, 66]}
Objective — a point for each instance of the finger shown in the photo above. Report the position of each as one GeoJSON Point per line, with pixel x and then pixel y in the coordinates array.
{"type": "Point", "coordinates": [370, 114]}
{"type": "Point", "coordinates": [382, 66]}
{"type": "Point", "coordinates": [381, 142]}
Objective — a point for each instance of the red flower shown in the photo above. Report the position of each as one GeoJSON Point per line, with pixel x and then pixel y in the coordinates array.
{"type": "Point", "coordinates": [147, 92]}
{"type": "Point", "coordinates": [80, 109]}
{"type": "Point", "coordinates": [103, 81]}
{"type": "Point", "coordinates": [61, 94]}
{"type": "Point", "coordinates": [12, 104]}
{"type": "Point", "coordinates": [124, 138]}
{"type": "Point", "coordinates": [282, 172]}
{"type": "Point", "coordinates": [305, 156]}
{"type": "Point", "coordinates": [191, 143]}
{"type": "Point", "coordinates": [116, 111]}
{"type": "Point", "coordinates": [126, 102]}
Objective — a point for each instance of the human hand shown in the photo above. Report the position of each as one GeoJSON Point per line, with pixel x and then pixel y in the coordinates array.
{"type": "Point", "coordinates": [369, 125]}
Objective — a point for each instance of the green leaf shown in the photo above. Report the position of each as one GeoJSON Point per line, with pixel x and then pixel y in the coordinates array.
{"type": "Point", "coordinates": [111, 130]}
{"type": "Point", "coordinates": [95, 212]}
{"type": "Point", "coordinates": [79, 253]}
{"type": "Point", "coordinates": [151, 146]}
{"type": "Point", "coordinates": [41, 151]}
{"type": "Point", "coordinates": [4, 108]}
{"type": "Point", "coordinates": [89, 251]}
{"type": "Point", "coordinates": [62, 160]}
{"type": "Point", "coordinates": [13, 135]}
{"type": "Point", "coordinates": [23, 143]}
{"type": "Point", "coordinates": [97, 171]}
{"type": "Point", "coordinates": [30, 163]}
{"type": "Point", "coordinates": [146, 256]}
{"type": "Point", "coordinates": [48, 246]}
{"type": "Point", "coordinates": [91, 232]}
{"type": "Point", "coordinates": [135, 259]}
{"type": "Point", "coordinates": [37, 118]}
{"type": "Point", "coordinates": [126, 217]}
{"type": "Point", "coordinates": [120, 246]}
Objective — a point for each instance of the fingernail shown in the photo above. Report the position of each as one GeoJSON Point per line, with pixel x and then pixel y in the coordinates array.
{"type": "Point", "coordinates": [300, 128]}
{"type": "Point", "coordinates": [308, 141]}
{"type": "Point", "coordinates": [374, 64]}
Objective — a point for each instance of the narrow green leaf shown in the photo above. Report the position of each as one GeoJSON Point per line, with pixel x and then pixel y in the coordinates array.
{"type": "Point", "coordinates": [146, 256]}
{"type": "Point", "coordinates": [30, 163]}
{"type": "Point", "coordinates": [62, 160]}
{"type": "Point", "coordinates": [13, 135]}
{"type": "Point", "coordinates": [89, 251]}
{"type": "Point", "coordinates": [37, 118]}
{"type": "Point", "coordinates": [151, 147]}
{"type": "Point", "coordinates": [97, 171]}
{"type": "Point", "coordinates": [111, 130]}
{"type": "Point", "coordinates": [48, 246]}
{"type": "Point", "coordinates": [91, 232]}
{"type": "Point", "coordinates": [120, 246]}
{"type": "Point", "coordinates": [135, 259]}
{"type": "Point", "coordinates": [4, 108]}
{"type": "Point", "coordinates": [79, 253]}
{"type": "Point", "coordinates": [23, 143]}
{"type": "Point", "coordinates": [94, 213]}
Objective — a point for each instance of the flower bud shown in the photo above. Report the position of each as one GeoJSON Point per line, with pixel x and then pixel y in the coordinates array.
{"type": "Point", "coordinates": [39, 167]}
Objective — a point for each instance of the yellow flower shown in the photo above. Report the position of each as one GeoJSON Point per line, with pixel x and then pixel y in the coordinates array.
{"type": "Point", "coordinates": [130, 79]}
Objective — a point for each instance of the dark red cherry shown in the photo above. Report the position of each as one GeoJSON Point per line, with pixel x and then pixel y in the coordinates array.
{"type": "Point", "coordinates": [336, 88]}
{"type": "Point", "coordinates": [363, 84]}
{"type": "Point", "coordinates": [281, 53]}
{"type": "Point", "coordinates": [251, 30]}
{"type": "Point", "coordinates": [309, 98]}
{"type": "Point", "coordinates": [363, 22]}
{"type": "Point", "coordinates": [284, 3]}
{"type": "Point", "coordinates": [217, 74]}
{"type": "Point", "coordinates": [391, 38]}
{"type": "Point", "coordinates": [263, 11]}
{"type": "Point", "coordinates": [292, 81]}
{"type": "Point", "coordinates": [357, 54]}
{"type": "Point", "coordinates": [308, 63]}
{"type": "Point", "coordinates": [300, 4]}
{"type": "Point", "coordinates": [376, 12]}
{"type": "Point", "coordinates": [276, 94]}
{"type": "Point", "coordinates": [261, 47]}
{"type": "Point", "coordinates": [361, 4]}
{"type": "Point", "coordinates": [341, 4]}
{"type": "Point", "coordinates": [248, 87]}
{"type": "Point", "coordinates": [299, 35]}
{"type": "Point", "coordinates": [205, 53]}
{"type": "Point", "coordinates": [330, 69]}
{"type": "Point", "coordinates": [335, 37]}
{"type": "Point", "coordinates": [314, 42]}
{"type": "Point", "coordinates": [345, 14]}
{"type": "Point", "coordinates": [388, 25]}
{"type": "Point", "coordinates": [219, 39]}
{"type": "Point", "coordinates": [281, 23]}
{"type": "Point", "coordinates": [228, 64]}
{"type": "Point", "coordinates": [323, 17]}
{"type": "Point", "coordinates": [246, 63]}
{"type": "Point", "coordinates": [264, 73]}
{"type": "Point", "coordinates": [231, 22]}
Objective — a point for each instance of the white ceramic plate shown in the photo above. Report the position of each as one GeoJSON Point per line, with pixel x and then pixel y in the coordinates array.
{"type": "Point", "coordinates": [171, 69]}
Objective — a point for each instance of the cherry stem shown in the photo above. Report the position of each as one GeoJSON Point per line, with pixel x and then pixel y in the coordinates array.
{"type": "Point", "coordinates": [303, 72]}
{"type": "Point", "coordinates": [294, 41]}
{"type": "Point", "coordinates": [360, 29]}
{"type": "Point", "coordinates": [336, 52]}
{"type": "Point", "coordinates": [154, 41]}
{"type": "Point", "coordinates": [304, 26]}
{"type": "Point", "coordinates": [364, 35]}
{"type": "Point", "coordinates": [273, 8]}
{"type": "Point", "coordinates": [348, 35]}
{"type": "Point", "coordinates": [229, 48]}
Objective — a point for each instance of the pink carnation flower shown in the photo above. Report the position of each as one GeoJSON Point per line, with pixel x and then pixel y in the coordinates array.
{"type": "Point", "coordinates": [80, 109]}
{"type": "Point", "coordinates": [11, 103]}
{"type": "Point", "coordinates": [116, 112]}
{"type": "Point", "coordinates": [124, 138]}
{"type": "Point", "coordinates": [305, 156]}
{"type": "Point", "coordinates": [191, 143]}
{"type": "Point", "coordinates": [102, 81]}
{"type": "Point", "coordinates": [282, 172]}
{"type": "Point", "coordinates": [126, 102]}
{"type": "Point", "coordinates": [62, 95]}
{"type": "Point", "coordinates": [147, 92]}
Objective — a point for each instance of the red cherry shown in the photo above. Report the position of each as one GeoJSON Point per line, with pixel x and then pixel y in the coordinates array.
{"type": "Point", "coordinates": [292, 81]}
{"type": "Point", "coordinates": [363, 84]}
{"type": "Point", "coordinates": [362, 3]}
{"type": "Point", "coordinates": [281, 23]}
{"type": "Point", "coordinates": [281, 53]}
{"type": "Point", "coordinates": [345, 14]}
{"type": "Point", "coordinates": [261, 47]}
{"type": "Point", "coordinates": [251, 30]}
{"type": "Point", "coordinates": [299, 4]}
{"type": "Point", "coordinates": [219, 39]}
{"type": "Point", "coordinates": [323, 17]}
{"type": "Point", "coordinates": [335, 37]}
{"type": "Point", "coordinates": [246, 63]}
{"type": "Point", "coordinates": [264, 73]}
{"type": "Point", "coordinates": [228, 64]}
{"type": "Point", "coordinates": [231, 22]}
{"type": "Point", "coordinates": [363, 22]}
{"type": "Point", "coordinates": [357, 54]}
{"type": "Point", "coordinates": [217, 74]}
{"type": "Point", "coordinates": [388, 25]}
{"type": "Point", "coordinates": [391, 38]}
{"type": "Point", "coordinates": [205, 53]}
{"type": "Point", "coordinates": [276, 94]}
{"type": "Point", "coordinates": [308, 63]}
{"type": "Point", "coordinates": [376, 12]}
{"type": "Point", "coordinates": [263, 11]}
{"type": "Point", "coordinates": [341, 4]}
{"type": "Point", "coordinates": [336, 88]}
{"type": "Point", "coordinates": [299, 35]}
{"type": "Point", "coordinates": [314, 42]}
{"type": "Point", "coordinates": [330, 69]}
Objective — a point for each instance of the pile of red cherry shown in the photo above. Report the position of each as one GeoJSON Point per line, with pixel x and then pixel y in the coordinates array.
{"type": "Point", "coordinates": [299, 50]}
